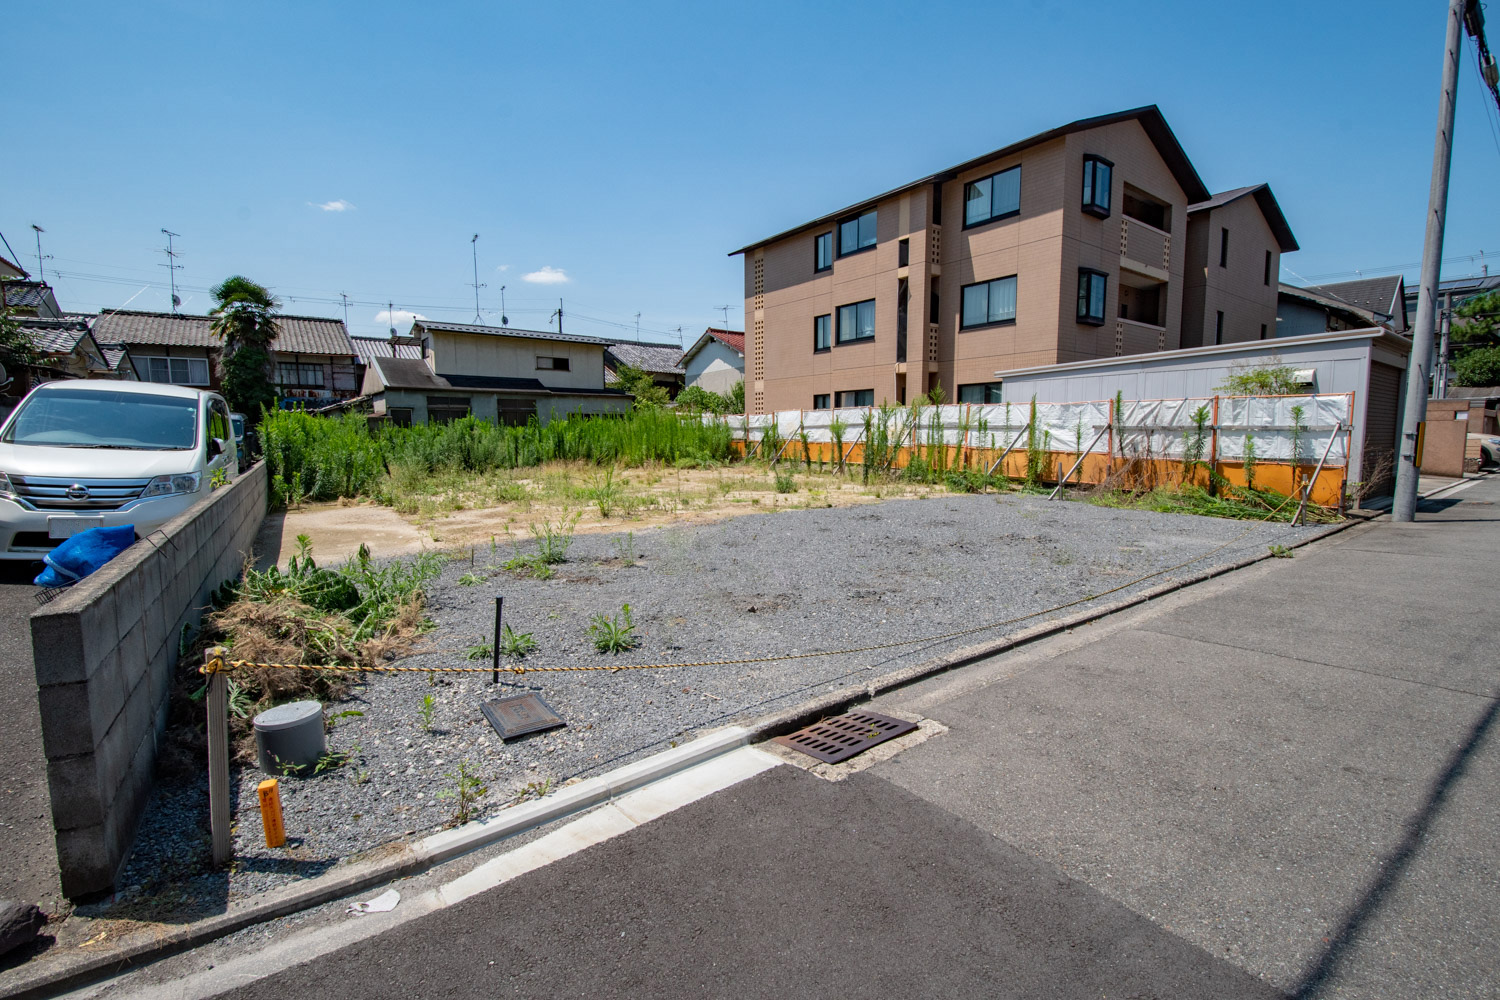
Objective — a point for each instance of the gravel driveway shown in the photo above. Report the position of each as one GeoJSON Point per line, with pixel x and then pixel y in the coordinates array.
{"type": "Point", "coordinates": [758, 585]}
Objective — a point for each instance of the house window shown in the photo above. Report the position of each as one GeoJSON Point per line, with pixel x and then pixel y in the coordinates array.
{"type": "Point", "coordinates": [177, 371]}
{"type": "Point", "coordinates": [1263, 331]}
{"type": "Point", "coordinates": [995, 197]}
{"type": "Point", "coordinates": [857, 234]}
{"type": "Point", "coordinates": [857, 397]}
{"type": "Point", "coordinates": [823, 252]}
{"type": "Point", "coordinates": [979, 392]}
{"type": "Point", "coordinates": [1223, 247]}
{"type": "Point", "coordinates": [551, 364]}
{"type": "Point", "coordinates": [856, 322]}
{"type": "Point", "coordinates": [1098, 173]}
{"type": "Point", "coordinates": [822, 332]}
{"type": "Point", "coordinates": [989, 302]}
{"type": "Point", "coordinates": [903, 253]}
{"type": "Point", "coordinates": [1266, 278]}
{"type": "Point", "coordinates": [1219, 328]}
{"type": "Point", "coordinates": [298, 375]}
{"type": "Point", "coordinates": [400, 415]}
{"type": "Point", "coordinates": [1092, 286]}
{"type": "Point", "coordinates": [821, 401]}
{"type": "Point", "coordinates": [445, 409]}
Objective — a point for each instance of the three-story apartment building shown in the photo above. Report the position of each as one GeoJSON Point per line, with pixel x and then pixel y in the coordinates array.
{"type": "Point", "coordinates": [1067, 246]}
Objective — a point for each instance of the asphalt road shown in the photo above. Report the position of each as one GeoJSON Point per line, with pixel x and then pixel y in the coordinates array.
{"type": "Point", "coordinates": [28, 862]}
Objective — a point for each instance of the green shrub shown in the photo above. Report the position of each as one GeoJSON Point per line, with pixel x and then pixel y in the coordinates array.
{"type": "Point", "coordinates": [615, 634]}
{"type": "Point", "coordinates": [785, 483]}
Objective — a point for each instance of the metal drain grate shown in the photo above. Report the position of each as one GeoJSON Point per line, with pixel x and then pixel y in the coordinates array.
{"type": "Point", "coordinates": [843, 736]}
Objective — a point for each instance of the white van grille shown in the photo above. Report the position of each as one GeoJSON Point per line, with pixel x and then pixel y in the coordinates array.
{"type": "Point", "coordinates": [50, 493]}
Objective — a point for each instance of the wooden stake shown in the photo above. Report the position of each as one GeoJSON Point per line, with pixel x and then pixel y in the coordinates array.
{"type": "Point", "coordinates": [218, 754]}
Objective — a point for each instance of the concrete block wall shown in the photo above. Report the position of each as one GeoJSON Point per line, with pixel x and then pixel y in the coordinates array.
{"type": "Point", "coordinates": [105, 653]}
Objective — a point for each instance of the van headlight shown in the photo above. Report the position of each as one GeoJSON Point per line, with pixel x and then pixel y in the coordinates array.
{"type": "Point", "coordinates": [166, 486]}
{"type": "Point", "coordinates": [6, 489]}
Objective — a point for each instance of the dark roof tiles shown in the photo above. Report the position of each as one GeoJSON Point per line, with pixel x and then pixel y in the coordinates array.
{"type": "Point", "coordinates": [297, 334]}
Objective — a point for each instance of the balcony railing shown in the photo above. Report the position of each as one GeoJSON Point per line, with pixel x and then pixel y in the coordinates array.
{"type": "Point", "coordinates": [1138, 338]}
{"type": "Point", "coordinates": [1145, 244]}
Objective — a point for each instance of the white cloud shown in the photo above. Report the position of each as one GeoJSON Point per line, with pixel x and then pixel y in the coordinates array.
{"type": "Point", "coordinates": [547, 276]}
{"type": "Point", "coordinates": [401, 319]}
{"type": "Point", "coordinates": [337, 205]}
{"type": "Point", "coordinates": [503, 268]}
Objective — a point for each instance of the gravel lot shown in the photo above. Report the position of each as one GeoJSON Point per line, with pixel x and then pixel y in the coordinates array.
{"type": "Point", "coordinates": [758, 585]}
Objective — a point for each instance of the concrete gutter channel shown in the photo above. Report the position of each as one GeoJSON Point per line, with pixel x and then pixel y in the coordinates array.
{"type": "Point", "coordinates": [399, 860]}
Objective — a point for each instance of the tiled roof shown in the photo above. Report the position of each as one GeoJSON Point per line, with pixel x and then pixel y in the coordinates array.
{"type": "Point", "coordinates": [54, 336]}
{"type": "Point", "coordinates": [297, 334]}
{"type": "Point", "coordinates": [654, 358]}
{"type": "Point", "coordinates": [1377, 295]}
{"type": "Point", "coordinates": [407, 373]}
{"type": "Point", "coordinates": [402, 373]}
{"type": "Point", "coordinates": [1316, 297]}
{"type": "Point", "coordinates": [506, 331]}
{"type": "Point", "coordinates": [732, 339]}
{"type": "Point", "coordinates": [25, 294]}
{"type": "Point", "coordinates": [370, 348]}
{"type": "Point", "coordinates": [115, 354]}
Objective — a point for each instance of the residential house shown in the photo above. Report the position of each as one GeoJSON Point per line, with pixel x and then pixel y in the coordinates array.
{"type": "Point", "coordinates": [1303, 311]}
{"type": "Point", "coordinates": [501, 374]}
{"type": "Point", "coordinates": [1234, 245]}
{"type": "Point", "coordinates": [716, 361]}
{"type": "Point", "coordinates": [1385, 297]}
{"type": "Point", "coordinates": [9, 270]}
{"type": "Point", "coordinates": [313, 363]}
{"type": "Point", "coordinates": [23, 297]}
{"type": "Point", "coordinates": [1456, 290]}
{"type": "Point", "coordinates": [663, 362]}
{"type": "Point", "coordinates": [1067, 246]}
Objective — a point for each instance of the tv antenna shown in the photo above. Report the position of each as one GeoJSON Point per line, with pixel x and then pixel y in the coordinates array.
{"type": "Point", "coordinates": [172, 267]}
{"type": "Point", "coordinates": [679, 337]}
{"type": "Point", "coordinates": [41, 273]}
{"type": "Point", "coordinates": [637, 328]}
{"type": "Point", "coordinates": [725, 311]}
{"type": "Point", "coordinates": [346, 308]}
{"type": "Point", "coordinates": [474, 247]}
{"type": "Point", "coordinates": [504, 319]}
{"type": "Point", "coordinates": [557, 316]}
{"type": "Point", "coordinates": [390, 315]}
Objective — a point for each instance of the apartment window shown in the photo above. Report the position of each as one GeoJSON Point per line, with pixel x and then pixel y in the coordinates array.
{"type": "Point", "coordinates": [979, 392]}
{"type": "Point", "coordinates": [1098, 173]}
{"type": "Point", "coordinates": [822, 332]}
{"type": "Point", "coordinates": [856, 322]}
{"type": "Point", "coordinates": [821, 401]}
{"type": "Point", "coordinates": [932, 305]}
{"type": "Point", "coordinates": [903, 253]}
{"type": "Point", "coordinates": [177, 371]}
{"type": "Point", "coordinates": [989, 302]}
{"type": "Point", "coordinates": [296, 374]}
{"type": "Point", "coordinates": [823, 252]}
{"type": "Point", "coordinates": [995, 197]}
{"type": "Point", "coordinates": [1223, 248]}
{"type": "Point", "coordinates": [1266, 278]}
{"type": "Point", "coordinates": [1263, 331]}
{"type": "Point", "coordinates": [857, 397]}
{"type": "Point", "coordinates": [1219, 328]}
{"type": "Point", "coordinates": [551, 364]}
{"type": "Point", "coordinates": [857, 234]}
{"type": "Point", "coordinates": [1092, 286]}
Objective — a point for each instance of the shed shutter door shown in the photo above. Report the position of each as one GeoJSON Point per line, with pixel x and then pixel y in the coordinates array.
{"type": "Point", "coordinates": [1381, 417]}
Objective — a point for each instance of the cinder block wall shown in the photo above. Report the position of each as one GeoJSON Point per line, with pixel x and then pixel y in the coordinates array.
{"type": "Point", "coordinates": [104, 655]}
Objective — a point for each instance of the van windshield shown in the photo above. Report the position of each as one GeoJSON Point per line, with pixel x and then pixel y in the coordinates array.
{"type": "Point", "coordinates": [72, 418]}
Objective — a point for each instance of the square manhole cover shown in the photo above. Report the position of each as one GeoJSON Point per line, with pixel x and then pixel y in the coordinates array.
{"type": "Point", "coordinates": [843, 736]}
{"type": "Point", "coordinates": [525, 713]}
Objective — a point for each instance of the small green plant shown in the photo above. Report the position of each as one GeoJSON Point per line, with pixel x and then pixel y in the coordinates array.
{"type": "Point", "coordinates": [785, 482]}
{"type": "Point", "coordinates": [480, 651]}
{"type": "Point", "coordinates": [604, 492]}
{"type": "Point", "coordinates": [625, 548]}
{"type": "Point", "coordinates": [529, 565]}
{"type": "Point", "coordinates": [534, 790]}
{"type": "Point", "coordinates": [471, 579]}
{"type": "Point", "coordinates": [219, 477]}
{"type": "Point", "coordinates": [466, 792]}
{"type": "Point", "coordinates": [1249, 461]}
{"type": "Point", "coordinates": [837, 429]}
{"type": "Point", "coordinates": [287, 767]}
{"type": "Point", "coordinates": [806, 448]}
{"type": "Point", "coordinates": [615, 634]}
{"type": "Point", "coordinates": [1036, 450]}
{"type": "Point", "coordinates": [426, 710]}
{"type": "Point", "coordinates": [1297, 431]}
{"type": "Point", "coordinates": [1267, 379]}
{"type": "Point", "coordinates": [516, 644]}
{"type": "Point", "coordinates": [1280, 551]}
{"type": "Point", "coordinates": [552, 540]}
{"type": "Point", "coordinates": [337, 717]}
{"type": "Point", "coordinates": [1193, 442]}
{"type": "Point", "coordinates": [335, 759]}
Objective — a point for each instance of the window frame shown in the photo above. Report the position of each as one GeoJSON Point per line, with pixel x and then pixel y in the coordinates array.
{"type": "Point", "coordinates": [1218, 327]}
{"type": "Point", "coordinates": [567, 363]}
{"type": "Point", "coordinates": [840, 404]}
{"type": "Point", "coordinates": [827, 329]}
{"type": "Point", "coordinates": [992, 217]}
{"type": "Point", "coordinates": [988, 388]}
{"type": "Point", "coordinates": [1266, 278]}
{"type": "Point", "coordinates": [302, 369]}
{"type": "Point", "coordinates": [1224, 246]}
{"type": "Point", "coordinates": [818, 252]}
{"type": "Point", "coordinates": [1089, 318]}
{"type": "Point", "coordinates": [1090, 200]}
{"type": "Point", "coordinates": [838, 327]}
{"type": "Point", "coordinates": [827, 401]}
{"type": "Point", "coordinates": [988, 322]}
{"type": "Point", "coordinates": [861, 247]}
{"type": "Point", "coordinates": [167, 359]}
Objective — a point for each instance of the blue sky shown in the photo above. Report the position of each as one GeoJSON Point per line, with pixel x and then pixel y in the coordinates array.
{"type": "Point", "coordinates": [630, 147]}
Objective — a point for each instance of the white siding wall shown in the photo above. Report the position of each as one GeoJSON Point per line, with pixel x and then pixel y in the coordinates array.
{"type": "Point", "coordinates": [716, 368]}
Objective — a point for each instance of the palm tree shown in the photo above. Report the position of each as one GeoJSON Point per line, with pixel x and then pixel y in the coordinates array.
{"type": "Point", "coordinates": [244, 320]}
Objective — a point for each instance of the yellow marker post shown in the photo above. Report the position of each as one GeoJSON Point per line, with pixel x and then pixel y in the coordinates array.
{"type": "Point", "coordinates": [270, 812]}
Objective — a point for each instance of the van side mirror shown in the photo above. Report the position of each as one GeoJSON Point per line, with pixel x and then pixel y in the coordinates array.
{"type": "Point", "coordinates": [215, 447]}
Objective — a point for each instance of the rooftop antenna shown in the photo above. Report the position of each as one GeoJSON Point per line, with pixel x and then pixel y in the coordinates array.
{"type": "Point", "coordinates": [504, 319]}
{"type": "Point", "coordinates": [172, 267]}
{"type": "Point", "coordinates": [679, 337]}
{"type": "Point", "coordinates": [41, 272]}
{"type": "Point", "coordinates": [474, 246]}
{"type": "Point", "coordinates": [390, 315]}
{"type": "Point", "coordinates": [637, 328]}
{"type": "Point", "coordinates": [725, 311]}
{"type": "Point", "coordinates": [557, 316]}
{"type": "Point", "coordinates": [346, 308]}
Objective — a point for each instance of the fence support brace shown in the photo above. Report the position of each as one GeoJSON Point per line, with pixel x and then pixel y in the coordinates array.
{"type": "Point", "coordinates": [1081, 456]}
{"type": "Point", "coordinates": [1307, 492]}
{"type": "Point", "coordinates": [1013, 442]}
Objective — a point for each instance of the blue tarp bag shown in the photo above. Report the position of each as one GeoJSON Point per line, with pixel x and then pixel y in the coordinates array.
{"type": "Point", "coordinates": [85, 552]}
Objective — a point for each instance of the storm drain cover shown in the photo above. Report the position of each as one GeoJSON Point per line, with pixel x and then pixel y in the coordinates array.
{"type": "Point", "coordinates": [843, 736]}
{"type": "Point", "coordinates": [525, 713]}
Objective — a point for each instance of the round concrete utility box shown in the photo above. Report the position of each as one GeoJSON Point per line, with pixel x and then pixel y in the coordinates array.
{"type": "Point", "coordinates": [290, 737]}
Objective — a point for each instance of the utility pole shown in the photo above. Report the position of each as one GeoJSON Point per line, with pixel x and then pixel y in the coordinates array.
{"type": "Point", "coordinates": [172, 268]}
{"type": "Point", "coordinates": [474, 246]}
{"type": "Point", "coordinates": [41, 270]}
{"type": "Point", "coordinates": [1440, 380]}
{"type": "Point", "coordinates": [1404, 505]}
{"type": "Point", "coordinates": [557, 316]}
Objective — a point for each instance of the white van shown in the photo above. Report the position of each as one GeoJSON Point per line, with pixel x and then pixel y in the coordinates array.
{"type": "Point", "coordinates": [81, 454]}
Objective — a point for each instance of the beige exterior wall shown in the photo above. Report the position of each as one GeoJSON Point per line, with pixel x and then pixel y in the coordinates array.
{"type": "Point", "coordinates": [1239, 289]}
{"type": "Point", "coordinates": [450, 353]}
{"type": "Point", "coordinates": [1043, 246]}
